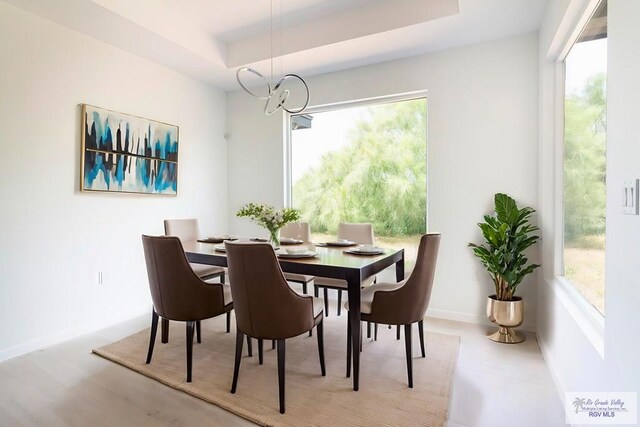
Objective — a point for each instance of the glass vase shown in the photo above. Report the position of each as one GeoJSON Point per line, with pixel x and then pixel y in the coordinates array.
{"type": "Point", "coordinates": [274, 237]}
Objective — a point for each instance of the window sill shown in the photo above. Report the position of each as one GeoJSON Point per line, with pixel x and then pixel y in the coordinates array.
{"type": "Point", "coordinates": [588, 318]}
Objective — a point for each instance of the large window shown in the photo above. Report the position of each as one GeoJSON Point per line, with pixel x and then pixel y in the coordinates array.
{"type": "Point", "coordinates": [363, 164]}
{"type": "Point", "coordinates": [584, 160]}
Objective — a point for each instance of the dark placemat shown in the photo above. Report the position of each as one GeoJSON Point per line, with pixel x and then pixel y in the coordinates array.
{"type": "Point", "coordinates": [211, 240]}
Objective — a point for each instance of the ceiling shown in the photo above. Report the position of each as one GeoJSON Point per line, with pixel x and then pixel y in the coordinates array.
{"type": "Point", "coordinates": [210, 39]}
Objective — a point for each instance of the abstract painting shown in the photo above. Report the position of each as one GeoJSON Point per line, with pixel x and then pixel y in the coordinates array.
{"type": "Point", "coordinates": [128, 154]}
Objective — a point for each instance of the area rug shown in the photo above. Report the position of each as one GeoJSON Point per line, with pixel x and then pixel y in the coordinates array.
{"type": "Point", "coordinates": [311, 400]}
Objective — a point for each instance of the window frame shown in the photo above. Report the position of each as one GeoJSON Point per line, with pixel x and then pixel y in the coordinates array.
{"type": "Point", "coordinates": [583, 312]}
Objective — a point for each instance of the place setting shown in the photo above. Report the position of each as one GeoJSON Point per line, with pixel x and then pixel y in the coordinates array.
{"type": "Point", "coordinates": [290, 241]}
{"type": "Point", "coordinates": [218, 239]}
{"type": "Point", "coordinates": [365, 250]}
{"type": "Point", "coordinates": [340, 243]}
{"type": "Point", "coordinates": [222, 248]}
{"type": "Point", "coordinates": [296, 253]}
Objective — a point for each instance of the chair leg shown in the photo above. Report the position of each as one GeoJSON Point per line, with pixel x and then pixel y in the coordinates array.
{"type": "Point", "coordinates": [249, 346]}
{"type": "Point", "coordinates": [165, 331]}
{"type": "Point", "coordinates": [260, 342]}
{"type": "Point", "coordinates": [236, 366]}
{"type": "Point", "coordinates": [281, 354]}
{"type": "Point", "coordinates": [190, 326]}
{"type": "Point", "coordinates": [198, 332]}
{"type": "Point", "coordinates": [273, 344]}
{"type": "Point", "coordinates": [321, 348]}
{"type": "Point", "coordinates": [228, 321]}
{"type": "Point", "coordinates": [375, 332]}
{"type": "Point", "coordinates": [315, 293]}
{"type": "Point", "coordinates": [407, 347]}
{"type": "Point", "coordinates": [397, 332]}
{"type": "Point", "coordinates": [152, 338]}
{"type": "Point", "coordinates": [361, 334]}
{"type": "Point", "coordinates": [326, 302]}
{"type": "Point", "coordinates": [421, 332]}
{"type": "Point", "coordinates": [339, 302]}
{"type": "Point", "coordinates": [348, 349]}
{"type": "Point", "coordinates": [368, 329]}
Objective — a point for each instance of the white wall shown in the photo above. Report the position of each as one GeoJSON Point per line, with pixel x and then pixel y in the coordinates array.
{"type": "Point", "coordinates": [55, 238]}
{"type": "Point", "coordinates": [623, 163]}
{"type": "Point", "coordinates": [482, 139]}
{"type": "Point", "coordinates": [564, 335]}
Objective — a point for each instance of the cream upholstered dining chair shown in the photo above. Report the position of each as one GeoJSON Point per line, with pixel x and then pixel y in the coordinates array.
{"type": "Point", "coordinates": [299, 231]}
{"type": "Point", "coordinates": [266, 307]}
{"type": "Point", "coordinates": [178, 293]}
{"type": "Point", "coordinates": [403, 303]}
{"type": "Point", "coordinates": [361, 234]}
{"type": "Point", "coordinates": [187, 230]}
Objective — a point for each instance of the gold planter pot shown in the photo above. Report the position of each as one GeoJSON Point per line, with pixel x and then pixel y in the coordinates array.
{"type": "Point", "coordinates": [507, 315]}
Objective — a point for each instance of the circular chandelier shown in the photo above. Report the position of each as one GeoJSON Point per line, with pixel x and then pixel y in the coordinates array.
{"type": "Point", "coordinates": [275, 96]}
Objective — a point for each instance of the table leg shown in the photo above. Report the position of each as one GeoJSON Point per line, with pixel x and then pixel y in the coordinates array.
{"type": "Point", "coordinates": [400, 268]}
{"type": "Point", "coordinates": [354, 280]}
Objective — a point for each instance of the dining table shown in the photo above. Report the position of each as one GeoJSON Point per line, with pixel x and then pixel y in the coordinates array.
{"type": "Point", "coordinates": [329, 261]}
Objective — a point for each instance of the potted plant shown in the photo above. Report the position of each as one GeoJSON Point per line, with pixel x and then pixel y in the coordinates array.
{"type": "Point", "coordinates": [270, 218]}
{"type": "Point", "coordinates": [507, 235]}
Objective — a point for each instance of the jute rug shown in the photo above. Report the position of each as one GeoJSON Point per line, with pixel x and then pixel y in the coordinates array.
{"type": "Point", "coordinates": [311, 400]}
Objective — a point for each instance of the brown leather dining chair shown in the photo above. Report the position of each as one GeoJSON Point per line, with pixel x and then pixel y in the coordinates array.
{"type": "Point", "coordinates": [266, 307]}
{"type": "Point", "coordinates": [187, 230]}
{"type": "Point", "coordinates": [177, 292]}
{"type": "Point", "coordinates": [403, 303]}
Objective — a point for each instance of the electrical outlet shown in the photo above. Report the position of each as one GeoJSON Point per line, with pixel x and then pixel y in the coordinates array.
{"type": "Point", "coordinates": [100, 278]}
{"type": "Point", "coordinates": [630, 197]}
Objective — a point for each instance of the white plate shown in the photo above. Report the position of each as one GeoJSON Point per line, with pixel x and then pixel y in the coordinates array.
{"type": "Point", "coordinates": [290, 241]}
{"type": "Point", "coordinates": [361, 251]}
{"type": "Point", "coordinates": [308, 254]}
{"type": "Point", "coordinates": [340, 243]}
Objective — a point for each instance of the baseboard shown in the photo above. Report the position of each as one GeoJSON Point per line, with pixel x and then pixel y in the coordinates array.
{"type": "Point", "coordinates": [553, 370]}
{"type": "Point", "coordinates": [471, 318]}
{"type": "Point", "coordinates": [43, 342]}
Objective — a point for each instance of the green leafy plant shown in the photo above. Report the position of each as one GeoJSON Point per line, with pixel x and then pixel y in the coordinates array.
{"type": "Point", "coordinates": [508, 234]}
{"type": "Point", "coordinates": [269, 217]}
{"type": "Point", "coordinates": [378, 176]}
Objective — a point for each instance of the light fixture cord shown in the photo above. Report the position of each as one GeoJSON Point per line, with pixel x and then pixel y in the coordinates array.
{"type": "Point", "coordinates": [271, 26]}
{"type": "Point", "coordinates": [281, 37]}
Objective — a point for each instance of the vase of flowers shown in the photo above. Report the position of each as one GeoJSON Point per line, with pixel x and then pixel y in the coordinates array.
{"type": "Point", "coordinates": [270, 218]}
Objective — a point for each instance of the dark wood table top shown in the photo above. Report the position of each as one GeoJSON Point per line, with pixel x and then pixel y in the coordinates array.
{"type": "Point", "coordinates": [329, 262]}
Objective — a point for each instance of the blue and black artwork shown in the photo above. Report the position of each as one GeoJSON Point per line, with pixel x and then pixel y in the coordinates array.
{"type": "Point", "coordinates": [143, 159]}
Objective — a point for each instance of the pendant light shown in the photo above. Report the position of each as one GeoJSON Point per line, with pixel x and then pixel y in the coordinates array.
{"type": "Point", "coordinates": [275, 96]}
